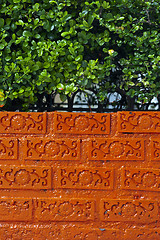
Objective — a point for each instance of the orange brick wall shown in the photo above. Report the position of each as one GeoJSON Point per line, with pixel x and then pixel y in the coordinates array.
{"type": "Point", "coordinates": [82, 176]}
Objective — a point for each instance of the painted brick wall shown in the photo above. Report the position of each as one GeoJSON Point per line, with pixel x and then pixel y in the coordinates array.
{"type": "Point", "coordinates": [79, 176]}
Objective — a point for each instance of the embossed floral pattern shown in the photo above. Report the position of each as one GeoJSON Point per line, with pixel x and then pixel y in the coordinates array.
{"type": "Point", "coordinates": [65, 209]}
{"type": "Point", "coordinates": [62, 209]}
{"type": "Point", "coordinates": [140, 122]}
{"type": "Point", "coordinates": [128, 209]}
{"type": "Point", "coordinates": [116, 149]}
{"type": "Point", "coordinates": [145, 121]}
{"type": "Point", "coordinates": [78, 123]}
{"type": "Point", "coordinates": [134, 210]}
{"type": "Point", "coordinates": [143, 233]}
{"type": "Point", "coordinates": [51, 233]}
{"type": "Point", "coordinates": [51, 148]}
{"type": "Point", "coordinates": [58, 149]}
{"type": "Point", "coordinates": [22, 232]}
{"type": "Point", "coordinates": [8, 148]}
{"type": "Point", "coordinates": [83, 178]}
{"type": "Point", "coordinates": [149, 179]}
{"type": "Point", "coordinates": [13, 208]}
{"type": "Point", "coordinates": [155, 149]}
{"type": "Point", "coordinates": [17, 122]}
{"type": "Point", "coordinates": [18, 234]}
{"type": "Point", "coordinates": [25, 177]}
{"type": "Point", "coordinates": [81, 123]}
{"type": "Point", "coordinates": [22, 122]}
{"type": "Point", "coordinates": [22, 177]}
{"type": "Point", "coordinates": [141, 179]}
{"type": "Point", "coordinates": [90, 233]}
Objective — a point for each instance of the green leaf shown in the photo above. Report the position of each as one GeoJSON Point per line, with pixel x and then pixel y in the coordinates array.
{"type": "Point", "coordinates": [21, 90]}
{"type": "Point", "coordinates": [27, 34]}
{"type": "Point", "coordinates": [36, 21]}
{"type": "Point", "coordinates": [46, 65]}
{"type": "Point", "coordinates": [63, 97]}
{"type": "Point", "coordinates": [105, 4]}
{"type": "Point", "coordinates": [64, 34]}
{"type": "Point", "coordinates": [85, 24]}
{"type": "Point", "coordinates": [78, 58]}
{"type": "Point", "coordinates": [36, 7]}
{"type": "Point", "coordinates": [14, 36]}
{"type": "Point", "coordinates": [60, 86]}
{"type": "Point", "coordinates": [1, 22]}
{"type": "Point", "coordinates": [37, 36]}
{"type": "Point", "coordinates": [109, 17]}
{"type": "Point", "coordinates": [90, 19]}
{"type": "Point", "coordinates": [2, 45]}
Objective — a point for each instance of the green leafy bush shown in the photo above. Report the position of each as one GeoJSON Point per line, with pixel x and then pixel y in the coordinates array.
{"type": "Point", "coordinates": [64, 45]}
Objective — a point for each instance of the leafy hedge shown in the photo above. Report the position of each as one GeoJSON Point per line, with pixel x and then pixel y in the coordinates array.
{"type": "Point", "coordinates": [60, 46]}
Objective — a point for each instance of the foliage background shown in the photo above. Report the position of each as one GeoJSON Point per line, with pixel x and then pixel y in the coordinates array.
{"type": "Point", "coordinates": [62, 46]}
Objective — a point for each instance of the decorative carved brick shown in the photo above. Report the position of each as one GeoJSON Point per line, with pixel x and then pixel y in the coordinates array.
{"type": "Point", "coordinates": [51, 209]}
{"type": "Point", "coordinates": [141, 179]}
{"type": "Point", "coordinates": [48, 233]}
{"type": "Point", "coordinates": [142, 122]}
{"type": "Point", "coordinates": [17, 233]}
{"type": "Point", "coordinates": [129, 210]}
{"type": "Point", "coordinates": [116, 149]}
{"type": "Point", "coordinates": [14, 122]}
{"type": "Point", "coordinates": [25, 177]}
{"type": "Point", "coordinates": [76, 200]}
{"type": "Point", "coordinates": [143, 234]}
{"type": "Point", "coordinates": [82, 123]}
{"type": "Point", "coordinates": [155, 149]}
{"type": "Point", "coordinates": [89, 233]}
{"type": "Point", "coordinates": [56, 149]}
{"type": "Point", "coordinates": [21, 232]}
{"type": "Point", "coordinates": [8, 148]}
{"type": "Point", "coordinates": [15, 209]}
{"type": "Point", "coordinates": [85, 178]}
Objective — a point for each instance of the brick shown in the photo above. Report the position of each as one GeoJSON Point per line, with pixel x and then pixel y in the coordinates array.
{"type": "Point", "coordinates": [51, 209]}
{"type": "Point", "coordinates": [85, 178]}
{"type": "Point", "coordinates": [89, 233]}
{"type": "Point", "coordinates": [15, 209]}
{"type": "Point", "coordinates": [98, 182]}
{"type": "Point", "coordinates": [48, 149]}
{"type": "Point", "coordinates": [25, 177]}
{"type": "Point", "coordinates": [143, 211]}
{"type": "Point", "coordinates": [82, 123]}
{"type": "Point", "coordinates": [21, 232]}
{"type": "Point", "coordinates": [48, 233]}
{"type": "Point", "coordinates": [23, 123]}
{"type": "Point", "coordinates": [143, 234]}
{"type": "Point", "coordinates": [155, 149]}
{"type": "Point", "coordinates": [141, 179]}
{"type": "Point", "coordinates": [140, 122]}
{"type": "Point", "coordinates": [17, 233]}
{"type": "Point", "coordinates": [8, 148]}
{"type": "Point", "coordinates": [116, 149]}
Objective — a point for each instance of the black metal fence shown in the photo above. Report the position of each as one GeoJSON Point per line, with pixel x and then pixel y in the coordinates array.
{"type": "Point", "coordinates": [85, 102]}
